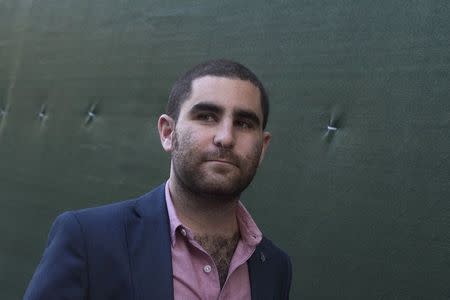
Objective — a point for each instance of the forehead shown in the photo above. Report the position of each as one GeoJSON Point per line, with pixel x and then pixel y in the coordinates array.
{"type": "Point", "coordinates": [226, 92]}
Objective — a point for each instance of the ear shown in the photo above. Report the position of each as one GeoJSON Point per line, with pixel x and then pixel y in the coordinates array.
{"type": "Point", "coordinates": [166, 127]}
{"type": "Point", "coordinates": [266, 141]}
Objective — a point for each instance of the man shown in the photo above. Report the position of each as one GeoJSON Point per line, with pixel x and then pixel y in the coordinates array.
{"type": "Point", "coordinates": [190, 238]}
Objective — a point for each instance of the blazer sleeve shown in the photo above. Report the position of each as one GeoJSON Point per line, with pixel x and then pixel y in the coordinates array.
{"type": "Point", "coordinates": [62, 271]}
{"type": "Point", "coordinates": [288, 281]}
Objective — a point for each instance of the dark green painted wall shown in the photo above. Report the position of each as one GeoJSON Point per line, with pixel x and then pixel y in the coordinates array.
{"type": "Point", "coordinates": [364, 210]}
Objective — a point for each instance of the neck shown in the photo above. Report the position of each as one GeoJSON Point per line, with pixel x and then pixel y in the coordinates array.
{"type": "Point", "coordinates": [205, 215]}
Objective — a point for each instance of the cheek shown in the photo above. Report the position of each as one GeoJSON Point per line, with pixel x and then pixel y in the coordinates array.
{"type": "Point", "coordinates": [198, 137]}
{"type": "Point", "coordinates": [252, 149]}
{"type": "Point", "coordinates": [185, 141]}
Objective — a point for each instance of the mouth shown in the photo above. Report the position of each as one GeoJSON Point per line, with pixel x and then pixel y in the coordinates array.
{"type": "Point", "coordinates": [221, 161]}
{"type": "Point", "coordinates": [222, 157]}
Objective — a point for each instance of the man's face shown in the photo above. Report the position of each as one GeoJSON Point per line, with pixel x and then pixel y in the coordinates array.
{"type": "Point", "coordinates": [218, 140]}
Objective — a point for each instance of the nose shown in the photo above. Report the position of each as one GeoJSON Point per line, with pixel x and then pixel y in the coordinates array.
{"type": "Point", "coordinates": [224, 136]}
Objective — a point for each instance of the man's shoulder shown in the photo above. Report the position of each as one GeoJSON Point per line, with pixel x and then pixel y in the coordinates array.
{"type": "Point", "coordinates": [111, 211]}
{"type": "Point", "coordinates": [116, 212]}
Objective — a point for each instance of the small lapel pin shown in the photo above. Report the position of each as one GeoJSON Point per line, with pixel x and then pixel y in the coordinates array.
{"type": "Point", "coordinates": [262, 257]}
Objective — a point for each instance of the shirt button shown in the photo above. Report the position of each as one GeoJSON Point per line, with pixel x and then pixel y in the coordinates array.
{"type": "Point", "coordinates": [183, 232]}
{"type": "Point", "coordinates": [207, 268]}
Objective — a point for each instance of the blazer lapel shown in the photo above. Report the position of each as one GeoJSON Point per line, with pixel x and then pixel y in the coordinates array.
{"type": "Point", "coordinates": [148, 237]}
{"type": "Point", "coordinates": [260, 270]}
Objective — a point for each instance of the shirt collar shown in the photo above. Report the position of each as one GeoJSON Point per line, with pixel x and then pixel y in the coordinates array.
{"type": "Point", "coordinates": [250, 233]}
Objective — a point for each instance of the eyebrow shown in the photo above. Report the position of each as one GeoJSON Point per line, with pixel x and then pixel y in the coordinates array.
{"type": "Point", "coordinates": [204, 106]}
{"type": "Point", "coordinates": [237, 113]}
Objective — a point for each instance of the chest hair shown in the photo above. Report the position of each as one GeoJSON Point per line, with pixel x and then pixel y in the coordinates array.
{"type": "Point", "coordinates": [221, 249]}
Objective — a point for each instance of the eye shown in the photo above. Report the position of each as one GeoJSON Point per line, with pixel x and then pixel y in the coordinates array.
{"type": "Point", "coordinates": [244, 124]}
{"type": "Point", "coordinates": [207, 117]}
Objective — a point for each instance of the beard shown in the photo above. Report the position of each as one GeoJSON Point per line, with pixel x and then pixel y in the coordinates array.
{"type": "Point", "coordinates": [227, 182]}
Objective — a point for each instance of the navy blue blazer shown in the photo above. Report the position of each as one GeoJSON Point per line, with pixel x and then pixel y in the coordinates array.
{"type": "Point", "coordinates": [123, 251]}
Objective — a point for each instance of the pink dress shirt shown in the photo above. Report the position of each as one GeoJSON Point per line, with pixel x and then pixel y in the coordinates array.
{"type": "Point", "coordinates": [195, 275]}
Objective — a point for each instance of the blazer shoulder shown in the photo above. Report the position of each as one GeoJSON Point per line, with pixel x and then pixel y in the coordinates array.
{"type": "Point", "coordinates": [146, 201]}
{"type": "Point", "coordinates": [108, 216]}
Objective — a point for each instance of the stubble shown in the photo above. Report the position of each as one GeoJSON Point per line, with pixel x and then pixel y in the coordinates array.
{"type": "Point", "coordinates": [188, 167]}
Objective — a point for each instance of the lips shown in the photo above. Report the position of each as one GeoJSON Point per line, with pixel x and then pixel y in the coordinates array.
{"type": "Point", "coordinates": [222, 161]}
{"type": "Point", "coordinates": [228, 159]}
{"type": "Point", "coordinates": [222, 155]}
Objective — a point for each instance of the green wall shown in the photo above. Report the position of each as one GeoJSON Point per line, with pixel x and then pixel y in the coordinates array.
{"type": "Point", "coordinates": [363, 210]}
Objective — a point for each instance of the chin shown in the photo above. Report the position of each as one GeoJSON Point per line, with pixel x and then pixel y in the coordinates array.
{"type": "Point", "coordinates": [221, 186]}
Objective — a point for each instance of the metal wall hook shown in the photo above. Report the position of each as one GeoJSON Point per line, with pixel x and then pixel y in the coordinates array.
{"type": "Point", "coordinates": [335, 123]}
{"type": "Point", "coordinates": [337, 118]}
{"type": "Point", "coordinates": [331, 128]}
{"type": "Point", "coordinates": [91, 114]}
{"type": "Point", "coordinates": [42, 115]}
{"type": "Point", "coordinates": [90, 117]}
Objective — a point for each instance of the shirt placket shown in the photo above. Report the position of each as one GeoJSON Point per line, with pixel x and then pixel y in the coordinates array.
{"type": "Point", "coordinates": [208, 267]}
